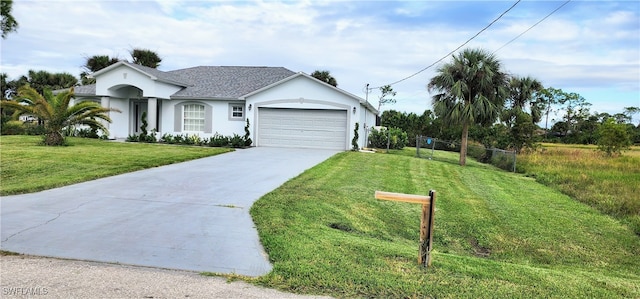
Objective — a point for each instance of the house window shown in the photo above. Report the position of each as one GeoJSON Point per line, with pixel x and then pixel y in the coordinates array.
{"type": "Point", "coordinates": [193, 116]}
{"type": "Point", "coordinates": [236, 112]}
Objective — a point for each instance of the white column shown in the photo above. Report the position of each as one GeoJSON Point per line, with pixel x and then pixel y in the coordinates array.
{"type": "Point", "coordinates": [152, 112]}
{"type": "Point", "coordinates": [106, 103]}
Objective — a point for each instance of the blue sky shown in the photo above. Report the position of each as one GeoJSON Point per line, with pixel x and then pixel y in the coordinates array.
{"type": "Point", "coordinates": [588, 47]}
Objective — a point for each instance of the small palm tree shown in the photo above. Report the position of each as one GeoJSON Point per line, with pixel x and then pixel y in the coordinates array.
{"type": "Point", "coordinates": [470, 90]}
{"type": "Point", "coordinates": [57, 113]}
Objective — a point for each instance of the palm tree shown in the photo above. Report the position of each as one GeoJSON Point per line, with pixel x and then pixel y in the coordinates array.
{"type": "Point", "coordinates": [57, 113]}
{"type": "Point", "coordinates": [94, 64]}
{"type": "Point", "coordinates": [522, 91]}
{"type": "Point", "coordinates": [470, 90]}
{"type": "Point", "coordinates": [146, 57]}
{"type": "Point", "coordinates": [325, 77]}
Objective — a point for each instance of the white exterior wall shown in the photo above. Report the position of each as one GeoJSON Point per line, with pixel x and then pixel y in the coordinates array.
{"type": "Point", "coordinates": [107, 84]}
{"type": "Point", "coordinates": [303, 93]}
{"type": "Point", "coordinates": [219, 116]}
{"type": "Point", "coordinates": [119, 127]}
{"type": "Point", "coordinates": [367, 121]}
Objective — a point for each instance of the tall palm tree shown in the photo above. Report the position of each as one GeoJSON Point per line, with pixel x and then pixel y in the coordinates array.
{"type": "Point", "coordinates": [325, 77]}
{"type": "Point", "coordinates": [471, 89]}
{"type": "Point", "coordinates": [57, 113]}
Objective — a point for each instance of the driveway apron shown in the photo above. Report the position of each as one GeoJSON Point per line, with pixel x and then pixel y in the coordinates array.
{"type": "Point", "coordinates": [189, 216]}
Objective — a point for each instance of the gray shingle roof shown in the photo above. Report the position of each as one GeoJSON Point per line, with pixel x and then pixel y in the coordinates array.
{"type": "Point", "coordinates": [167, 77]}
{"type": "Point", "coordinates": [227, 82]}
{"type": "Point", "coordinates": [85, 90]}
{"type": "Point", "coordinates": [210, 82]}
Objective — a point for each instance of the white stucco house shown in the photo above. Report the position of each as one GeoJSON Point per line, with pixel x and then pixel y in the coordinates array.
{"type": "Point", "coordinates": [284, 108]}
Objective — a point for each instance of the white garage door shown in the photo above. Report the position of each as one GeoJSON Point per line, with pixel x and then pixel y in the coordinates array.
{"type": "Point", "coordinates": [302, 128]}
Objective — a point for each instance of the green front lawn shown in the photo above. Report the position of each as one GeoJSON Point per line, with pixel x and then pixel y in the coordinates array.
{"type": "Point", "coordinates": [497, 234]}
{"type": "Point", "coordinates": [27, 167]}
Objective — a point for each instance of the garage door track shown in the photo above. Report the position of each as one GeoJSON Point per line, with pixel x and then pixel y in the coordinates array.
{"type": "Point", "coordinates": [190, 216]}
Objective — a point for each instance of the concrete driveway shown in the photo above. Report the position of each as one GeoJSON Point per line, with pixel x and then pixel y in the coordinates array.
{"type": "Point", "coordinates": [189, 216]}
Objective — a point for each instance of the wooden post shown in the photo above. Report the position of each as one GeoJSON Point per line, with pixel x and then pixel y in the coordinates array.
{"type": "Point", "coordinates": [426, 219]}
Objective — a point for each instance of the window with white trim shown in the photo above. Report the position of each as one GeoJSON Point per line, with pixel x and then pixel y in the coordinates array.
{"type": "Point", "coordinates": [193, 118]}
{"type": "Point", "coordinates": [237, 112]}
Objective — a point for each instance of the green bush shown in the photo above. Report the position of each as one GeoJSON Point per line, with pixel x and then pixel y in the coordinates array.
{"type": "Point", "coordinates": [86, 133]}
{"type": "Point", "coordinates": [236, 141]}
{"type": "Point", "coordinates": [133, 138]}
{"type": "Point", "coordinates": [218, 140]}
{"type": "Point", "coordinates": [397, 139]}
{"type": "Point", "coordinates": [167, 138]}
{"type": "Point", "coordinates": [13, 127]}
{"type": "Point", "coordinates": [614, 137]}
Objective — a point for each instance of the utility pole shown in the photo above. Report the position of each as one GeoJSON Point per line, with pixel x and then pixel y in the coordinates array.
{"type": "Point", "coordinates": [366, 99]}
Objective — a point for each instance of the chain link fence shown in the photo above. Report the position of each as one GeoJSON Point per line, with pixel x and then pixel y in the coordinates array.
{"type": "Point", "coordinates": [426, 147]}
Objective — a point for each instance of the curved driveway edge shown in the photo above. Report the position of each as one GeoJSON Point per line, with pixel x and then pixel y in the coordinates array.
{"type": "Point", "coordinates": [189, 216]}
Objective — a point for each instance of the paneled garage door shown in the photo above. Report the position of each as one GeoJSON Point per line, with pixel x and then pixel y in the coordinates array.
{"type": "Point", "coordinates": [310, 128]}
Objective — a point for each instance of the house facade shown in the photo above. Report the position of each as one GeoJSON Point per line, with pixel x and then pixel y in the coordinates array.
{"type": "Point", "coordinates": [284, 108]}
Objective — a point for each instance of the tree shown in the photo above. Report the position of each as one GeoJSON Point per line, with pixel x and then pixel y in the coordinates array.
{"type": "Point", "coordinates": [613, 138]}
{"type": "Point", "coordinates": [8, 22]}
{"type": "Point", "coordinates": [386, 92]}
{"type": "Point", "coordinates": [145, 57]}
{"type": "Point", "coordinates": [545, 99]}
{"type": "Point", "coordinates": [522, 91]}
{"type": "Point", "coordinates": [94, 64]}
{"type": "Point", "coordinates": [42, 80]}
{"type": "Point", "coordinates": [576, 108]}
{"type": "Point", "coordinates": [57, 113]}
{"type": "Point", "coordinates": [631, 111]}
{"type": "Point", "coordinates": [470, 90]}
{"type": "Point", "coordinates": [325, 77]}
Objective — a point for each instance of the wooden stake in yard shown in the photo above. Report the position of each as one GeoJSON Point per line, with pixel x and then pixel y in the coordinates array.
{"type": "Point", "coordinates": [426, 219]}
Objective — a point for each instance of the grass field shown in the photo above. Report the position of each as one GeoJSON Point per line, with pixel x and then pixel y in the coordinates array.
{"type": "Point", "coordinates": [612, 185]}
{"type": "Point", "coordinates": [27, 167]}
{"type": "Point", "coordinates": [497, 234]}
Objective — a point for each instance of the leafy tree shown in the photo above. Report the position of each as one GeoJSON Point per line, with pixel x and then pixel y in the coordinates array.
{"type": "Point", "coordinates": [57, 113]}
{"type": "Point", "coordinates": [575, 107]}
{"type": "Point", "coordinates": [145, 57]}
{"type": "Point", "coordinates": [325, 77]}
{"type": "Point", "coordinates": [613, 138]}
{"type": "Point", "coordinates": [94, 64]}
{"type": "Point", "coordinates": [8, 23]}
{"type": "Point", "coordinates": [470, 90]}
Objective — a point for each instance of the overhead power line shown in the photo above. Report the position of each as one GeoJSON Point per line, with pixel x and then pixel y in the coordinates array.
{"type": "Point", "coordinates": [534, 25]}
{"type": "Point", "coordinates": [454, 50]}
